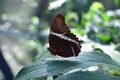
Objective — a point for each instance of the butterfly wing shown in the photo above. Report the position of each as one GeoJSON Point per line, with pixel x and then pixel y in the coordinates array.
{"type": "Point", "coordinates": [58, 25]}
{"type": "Point", "coordinates": [61, 41]}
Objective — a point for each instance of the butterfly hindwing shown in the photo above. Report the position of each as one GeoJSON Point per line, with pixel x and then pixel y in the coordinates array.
{"type": "Point", "coordinates": [65, 49]}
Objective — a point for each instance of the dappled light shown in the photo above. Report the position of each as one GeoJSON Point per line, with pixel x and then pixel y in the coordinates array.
{"type": "Point", "coordinates": [82, 42]}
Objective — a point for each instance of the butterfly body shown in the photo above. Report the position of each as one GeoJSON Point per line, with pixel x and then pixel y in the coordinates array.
{"type": "Point", "coordinates": [61, 41]}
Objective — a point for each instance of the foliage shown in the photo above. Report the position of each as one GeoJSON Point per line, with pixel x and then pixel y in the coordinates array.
{"type": "Point", "coordinates": [101, 25]}
{"type": "Point", "coordinates": [117, 2]}
{"type": "Point", "coordinates": [88, 18]}
{"type": "Point", "coordinates": [73, 68]}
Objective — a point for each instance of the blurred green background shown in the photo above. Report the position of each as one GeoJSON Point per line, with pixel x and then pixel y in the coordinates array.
{"type": "Point", "coordinates": [24, 27]}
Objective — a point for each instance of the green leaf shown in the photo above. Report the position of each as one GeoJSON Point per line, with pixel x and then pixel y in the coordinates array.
{"type": "Point", "coordinates": [98, 49]}
{"type": "Point", "coordinates": [44, 68]}
{"type": "Point", "coordinates": [114, 72]}
{"type": "Point", "coordinates": [82, 75]}
{"type": "Point", "coordinates": [103, 37]}
{"type": "Point", "coordinates": [96, 6]}
{"type": "Point", "coordinates": [37, 68]}
{"type": "Point", "coordinates": [70, 16]}
{"type": "Point", "coordinates": [117, 2]}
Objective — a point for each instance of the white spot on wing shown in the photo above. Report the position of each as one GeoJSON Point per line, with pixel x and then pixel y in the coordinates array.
{"type": "Point", "coordinates": [73, 51]}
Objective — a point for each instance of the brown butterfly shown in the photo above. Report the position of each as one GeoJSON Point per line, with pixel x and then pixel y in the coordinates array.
{"type": "Point", "coordinates": [61, 41]}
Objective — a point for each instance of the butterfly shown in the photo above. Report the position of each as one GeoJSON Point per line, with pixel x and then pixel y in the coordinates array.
{"type": "Point", "coordinates": [61, 41]}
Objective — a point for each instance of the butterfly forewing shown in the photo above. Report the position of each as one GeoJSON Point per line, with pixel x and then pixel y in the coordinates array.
{"type": "Point", "coordinates": [58, 25]}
